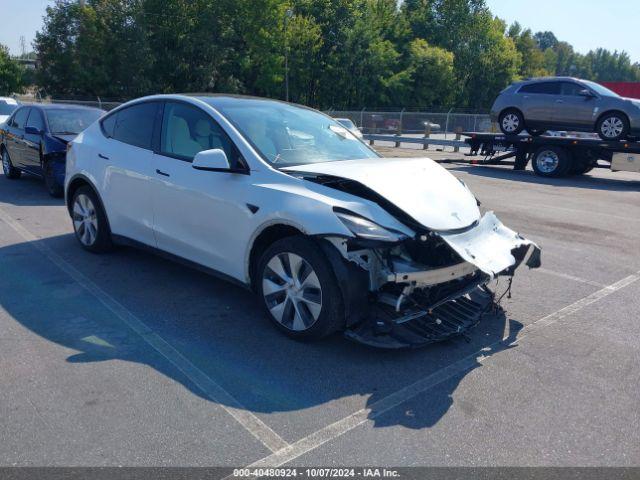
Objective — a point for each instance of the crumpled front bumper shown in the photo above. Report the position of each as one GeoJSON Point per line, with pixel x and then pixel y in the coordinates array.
{"type": "Point", "coordinates": [493, 248]}
{"type": "Point", "coordinates": [489, 249]}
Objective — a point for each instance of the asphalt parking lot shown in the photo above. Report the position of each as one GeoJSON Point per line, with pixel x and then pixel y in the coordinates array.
{"type": "Point", "coordinates": [129, 359]}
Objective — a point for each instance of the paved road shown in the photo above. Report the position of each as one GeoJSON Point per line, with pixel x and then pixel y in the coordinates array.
{"type": "Point", "coordinates": [128, 359]}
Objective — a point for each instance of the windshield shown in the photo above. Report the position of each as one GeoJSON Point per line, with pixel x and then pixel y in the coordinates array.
{"type": "Point", "coordinates": [600, 90]}
{"type": "Point", "coordinates": [71, 122]}
{"type": "Point", "coordinates": [289, 135]}
{"type": "Point", "coordinates": [7, 108]}
{"type": "Point", "coordinates": [346, 123]}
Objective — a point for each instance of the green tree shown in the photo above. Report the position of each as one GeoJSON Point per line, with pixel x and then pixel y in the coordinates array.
{"type": "Point", "coordinates": [11, 73]}
{"type": "Point", "coordinates": [430, 76]}
{"type": "Point", "coordinates": [533, 59]}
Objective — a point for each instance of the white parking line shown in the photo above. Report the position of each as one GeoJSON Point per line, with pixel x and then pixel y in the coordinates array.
{"type": "Point", "coordinates": [339, 428]}
{"type": "Point", "coordinates": [570, 277]}
{"type": "Point", "coordinates": [209, 387]}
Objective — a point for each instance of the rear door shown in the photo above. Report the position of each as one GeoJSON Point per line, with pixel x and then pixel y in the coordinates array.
{"type": "Point", "coordinates": [575, 110]}
{"type": "Point", "coordinates": [127, 156]}
{"type": "Point", "coordinates": [539, 102]}
{"type": "Point", "coordinates": [15, 136]}
{"type": "Point", "coordinates": [32, 141]}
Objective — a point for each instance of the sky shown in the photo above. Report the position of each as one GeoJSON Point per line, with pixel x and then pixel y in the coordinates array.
{"type": "Point", "coordinates": [586, 24]}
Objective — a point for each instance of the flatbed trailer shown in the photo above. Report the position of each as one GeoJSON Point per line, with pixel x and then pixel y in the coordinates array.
{"type": "Point", "coordinates": [552, 156]}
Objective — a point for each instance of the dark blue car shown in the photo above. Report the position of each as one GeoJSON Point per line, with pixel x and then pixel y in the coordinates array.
{"type": "Point", "coordinates": [34, 140]}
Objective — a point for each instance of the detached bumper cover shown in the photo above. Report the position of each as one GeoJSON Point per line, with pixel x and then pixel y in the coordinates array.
{"type": "Point", "coordinates": [493, 248]}
{"type": "Point", "coordinates": [419, 328]}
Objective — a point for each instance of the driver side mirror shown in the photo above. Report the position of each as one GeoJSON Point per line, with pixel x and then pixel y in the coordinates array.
{"type": "Point", "coordinates": [32, 131]}
{"type": "Point", "coordinates": [586, 93]}
{"type": "Point", "coordinates": [214, 160]}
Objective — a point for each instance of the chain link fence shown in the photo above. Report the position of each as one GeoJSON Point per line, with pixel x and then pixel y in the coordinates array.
{"type": "Point", "coordinates": [445, 123]}
{"type": "Point", "coordinates": [442, 124]}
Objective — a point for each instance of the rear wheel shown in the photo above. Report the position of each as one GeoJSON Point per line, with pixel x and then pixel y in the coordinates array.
{"type": "Point", "coordinates": [613, 126]}
{"type": "Point", "coordinates": [511, 122]}
{"type": "Point", "coordinates": [299, 289]}
{"type": "Point", "coordinates": [54, 189]}
{"type": "Point", "coordinates": [7, 167]}
{"type": "Point", "coordinates": [551, 161]}
{"type": "Point", "coordinates": [90, 221]}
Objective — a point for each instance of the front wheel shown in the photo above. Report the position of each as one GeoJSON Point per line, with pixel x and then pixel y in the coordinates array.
{"type": "Point", "coordinates": [299, 289]}
{"type": "Point", "coordinates": [90, 221]}
{"type": "Point", "coordinates": [511, 122]}
{"type": "Point", "coordinates": [9, 170]}
{"type": "Point", "coordinates": [613, 126]}
{"type": "Point", "coordinates": [551, 161]}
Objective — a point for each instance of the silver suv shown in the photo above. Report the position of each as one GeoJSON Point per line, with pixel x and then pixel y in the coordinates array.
{"type": "Point", "coordinates": [565, 103]}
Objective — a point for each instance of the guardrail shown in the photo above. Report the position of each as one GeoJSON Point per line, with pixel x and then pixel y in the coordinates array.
{"type": "Point", "coordinates": [397, 140]}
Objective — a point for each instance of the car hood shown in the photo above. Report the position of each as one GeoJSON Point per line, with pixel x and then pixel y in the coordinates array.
{"type": "Point", "coordinates": [421, 188]}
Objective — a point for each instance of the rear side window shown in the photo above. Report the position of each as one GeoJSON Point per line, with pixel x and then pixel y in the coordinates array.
{"type": "Point", "coordinates": [548, 88]}
{"type": "Point", "coordinates": [133, 125]}
{"type": "Point", "coordinates": [20, 118]}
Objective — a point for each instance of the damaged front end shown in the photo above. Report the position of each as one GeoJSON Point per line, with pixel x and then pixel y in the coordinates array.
{"type": "Point", "coordinates": [429, 287]}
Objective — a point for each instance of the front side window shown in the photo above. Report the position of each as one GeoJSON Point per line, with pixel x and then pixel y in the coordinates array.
{"type": "Point", "coordinates": [572, 89]}
{"type": "Point", "coordinates": [133, 125]}
{"type": "Point", "coordinates": [546, 88]}
{"type": "Point", "coordinates": [288, 135]}
{"type": "Point", "coordinates": [187, 130]}
{"type": "Point", "coordinates": [20, 118]}
{"type": "Point", "coordinates": [67, 121]}
{"type": "Point", "coordinates": [35, 120]}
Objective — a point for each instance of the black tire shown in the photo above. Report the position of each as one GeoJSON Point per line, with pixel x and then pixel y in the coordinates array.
{"type": "Point", "coordinates": [54, 189]}
{"type": "Point", "coordinates": [551, 161]}
{"type": "Point", "coordinates": [9, 170]}
{"type": "Point", "coordinates": [511, 122]}
{"type": "Point", "coordinates": [536, 132]}
{"type": "Point", "coordinates": [581, 167]}
{"type": "Point", "coordinates": [613, 126]}
{"type": "Point", "coordinates": [102, 241]}
{"type": "Point", "coordinates": [331, 317]}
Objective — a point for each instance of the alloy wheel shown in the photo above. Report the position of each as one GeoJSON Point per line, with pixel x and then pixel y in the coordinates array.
{"type": "Point", "coordinates": [612, 127]}
{"type": "Point", "coordinates": [547, 161]}
{"type": "Point", "coordinates": [292, 291]}
{"type": "Point", "coordinates": [510, 122]}
{"type": "Point", "coordinates": [85, 220]}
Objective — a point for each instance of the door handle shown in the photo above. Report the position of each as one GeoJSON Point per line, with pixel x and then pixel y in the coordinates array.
{"type": "Point", "coordinates": [104, 157]}
{"type": "Point", "coordinates": [559, 101]}
{"type": "Point", "coordinates": [160, 172]}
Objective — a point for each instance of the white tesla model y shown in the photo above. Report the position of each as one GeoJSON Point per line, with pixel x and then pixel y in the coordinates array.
{"type": "Point", "coordinates": [286, 201]}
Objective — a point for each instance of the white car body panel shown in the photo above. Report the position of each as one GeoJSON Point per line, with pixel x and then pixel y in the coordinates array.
{"type": "Point", "coordinates": [204, 216]}
{"type": "Point", "coordinates": [420, 187]}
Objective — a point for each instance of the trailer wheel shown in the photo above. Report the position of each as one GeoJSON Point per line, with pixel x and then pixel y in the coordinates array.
{"type": "Point", "coordinates": [581, 169]}
{"type": "Point", "coordinates": [551, 161]}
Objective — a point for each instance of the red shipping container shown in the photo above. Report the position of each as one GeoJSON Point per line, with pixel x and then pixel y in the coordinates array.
{"type": "Point", "coordinates": [624, 89]}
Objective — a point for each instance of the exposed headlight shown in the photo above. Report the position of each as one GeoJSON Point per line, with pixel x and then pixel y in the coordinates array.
{"type": "Point", "coordinates": [368, 230]}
